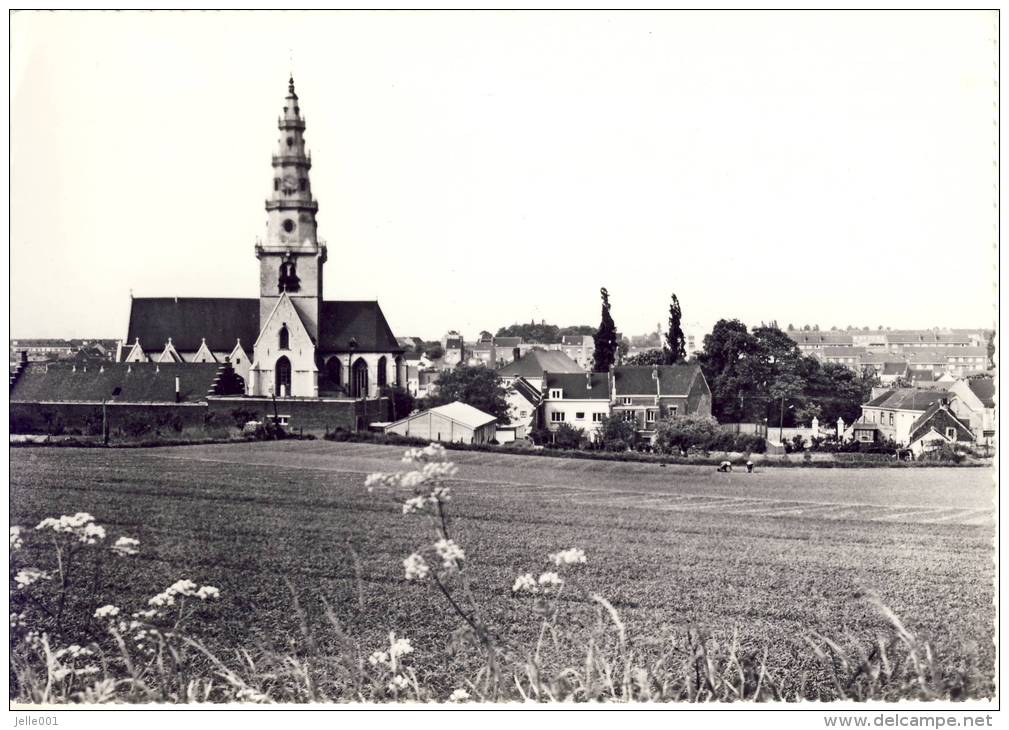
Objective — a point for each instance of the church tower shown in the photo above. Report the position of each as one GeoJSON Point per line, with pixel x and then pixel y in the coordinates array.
{"type": "Point", "coordinates": [291, 258]}
{"type": "Point", "coordinates": [290, 271]}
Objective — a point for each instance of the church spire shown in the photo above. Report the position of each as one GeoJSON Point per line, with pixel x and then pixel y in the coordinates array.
{"type": "Point", "coordinates": [291, 208]}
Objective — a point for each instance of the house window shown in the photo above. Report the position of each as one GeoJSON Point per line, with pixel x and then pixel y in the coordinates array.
{"type": "Point", "coordinates": [650, 415]}
{"type": "Point", "coordinates": [672, 410]}
{"type": "Point", "coordinates": [523, 414]}
{"type": "Point", "coordinates": [557, 416]}
{"type": "Point", "coordinates": [598, 417]}
{"type": "Point", "coordinates": [626, 401]}
{"type": "Point", "coordinates": [628, 416]}
{"type": "Point", "coordinates": [556, 393]}
{"type": "Point", "coordinates": [580, 416]}
{"type": "Point", "coordinates": [891, 419]}
{"type": "Point", "coordinates": [951, 433]}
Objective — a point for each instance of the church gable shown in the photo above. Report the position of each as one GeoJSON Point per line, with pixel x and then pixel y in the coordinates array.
{"type": "Point", "coordinates": [204, 354]}
{"type": "Point", "coordinates": [169, 354]}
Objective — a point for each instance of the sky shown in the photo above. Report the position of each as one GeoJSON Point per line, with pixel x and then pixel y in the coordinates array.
{"type": "Point", "coordinates": [477, 169]}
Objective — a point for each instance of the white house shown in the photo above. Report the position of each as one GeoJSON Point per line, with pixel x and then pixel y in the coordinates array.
{"type": "Point", "coordinates": [581, 400]}
{"type": "Point", "coordinates": [974, 404]}
{"type": "Point", "coordinates": [523, 401]}
{"type": "Point", "coordinates": [895, 411]}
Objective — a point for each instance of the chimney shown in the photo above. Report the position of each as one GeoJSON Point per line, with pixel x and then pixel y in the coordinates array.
{"type": "Point", "coordinates": [177, 397]}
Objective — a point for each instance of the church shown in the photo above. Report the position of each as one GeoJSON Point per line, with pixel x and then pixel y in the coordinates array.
{"type": "Point", "coordinates": [290, 342]}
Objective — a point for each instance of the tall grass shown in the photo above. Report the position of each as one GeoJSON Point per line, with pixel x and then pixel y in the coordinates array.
{"type": "Point", "coordinates": [66, 649]}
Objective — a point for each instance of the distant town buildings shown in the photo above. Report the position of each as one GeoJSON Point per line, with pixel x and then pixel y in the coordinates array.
{"type": "Point", "coordinates": [48, 350]}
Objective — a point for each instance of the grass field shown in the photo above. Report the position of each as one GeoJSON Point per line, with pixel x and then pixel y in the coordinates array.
{"type": "Point", "coordinates": [770, 556]}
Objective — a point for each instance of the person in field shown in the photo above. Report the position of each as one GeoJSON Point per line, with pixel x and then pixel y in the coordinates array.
{"type": "Point", "coordinates": [725, 466]}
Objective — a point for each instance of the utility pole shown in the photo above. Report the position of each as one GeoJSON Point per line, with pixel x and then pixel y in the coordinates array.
{"type": "Point", "coordinates": [781, 419]}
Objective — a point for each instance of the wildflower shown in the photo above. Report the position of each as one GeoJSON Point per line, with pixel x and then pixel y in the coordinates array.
{"type": "Point", "coordinates": [89, 669]}
{"type": "Point", "coordinates": [107, 611]}
{"type": "Point", "coordinates": [414, 504]}
{"type": "Point", "coordinates": [60, 673]}
{"type": "Point", "coordinates": [459, 695]}
{"type": "Point", "coordinates": [416, 568]}
{"type": "Point", "coordinates": [66, 523]}
{"type": "Point", "coordinates": [399, 647]}
{"type": "Point", "coordinates": [27, 576]}
{"type": "Point", "coordinates": [378, 479]}
{"type": "Point", "coordinates": [126, 546]}
{"type": "Point", "coordinates": [550, 580]}
{"type": "Point", "coordinates": [438, 470]}
{"type": "Point", "coordinates": [16, 543]}
{"type": "Point", "coordinates": [568, 557]}
{"type": "Point", "coordinates": [431, 452]}
{"type": "Point", "coordinates": [148, 614]}
{"type": "Point", "coordinates": [525, 584]}
{"type": "Point", "coordinates": [378, 657]}
{"type": "Point", "coordinates": [450, 553]}
{"type": "Point", "coordinates": [206, 592]}
{"type": "Point", "coordinates": [440, 494]}
{"type": "Point", "coordinates": [184, 587]}
{"type": "Point", "coordinates": [73, 651]}
{"type": "Point", "coordinates": [91, 533]}
{"type": "Point", "coordinates": [17, 620]}
{"type": "Point", "coordinates": [399, 682]}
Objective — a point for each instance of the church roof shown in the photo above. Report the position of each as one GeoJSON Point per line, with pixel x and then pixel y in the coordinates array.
{"type": "Point", "coordinates": [188, 321]}
{"type": "Point", "coordinates": [136, 382]}
{"type": "Point", "coordinates": [361, 323]}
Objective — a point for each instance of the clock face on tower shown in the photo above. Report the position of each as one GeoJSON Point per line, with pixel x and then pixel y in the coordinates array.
{"type": "Point", "coordinates": [290, 183]}
{"type": "Point", "coordinates": [288, 225]}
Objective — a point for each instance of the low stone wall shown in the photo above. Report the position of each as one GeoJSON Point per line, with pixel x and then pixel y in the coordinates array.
{"type": "Point", "coordinates": [315, 416]}
{"type": "Point", "coordinates": [217, 417]}
{"type": "Point", "coordinates": [124, 419]}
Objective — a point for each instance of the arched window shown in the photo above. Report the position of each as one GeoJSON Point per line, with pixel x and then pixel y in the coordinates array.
{"type": "Point", "coordinates": [399, 371]}
{"type": "Point", "coordinates": [285, 338]}
{"type": "Point", "coordinates": [359, 379]}
{"type": "Point", "coordinates": [382, 375]}
{"type": "Point", "coordinates": [283, 374]}
{"type": "Point", "coordinates": [334, 371]}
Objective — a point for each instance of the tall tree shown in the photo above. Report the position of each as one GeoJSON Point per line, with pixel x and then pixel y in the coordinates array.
{"type": "Point", "coordinates": [474, 385]}
{"type": "Point", "coordinates": [675, 347]}
{"type": "Point", "coordinates": [605, 338]}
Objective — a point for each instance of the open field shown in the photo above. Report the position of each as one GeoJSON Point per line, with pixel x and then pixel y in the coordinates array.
{"type": "Point", "coordinates": [772, 555]}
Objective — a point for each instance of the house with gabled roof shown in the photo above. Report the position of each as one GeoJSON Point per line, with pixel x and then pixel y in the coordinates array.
{"type": "Point", "coordinates": [524, 400]}
{"type": "Point", "coordinates": [936, 426]}
{"type": "Point", "coordinates": [535, 364]}
{"type": "Point", "coordinates": [454, 422]}
{"type": "Point", "coordinates": [645, 394]}
{"type": "Point", "coordinates": [895, 411]}
{"type": "Point", "coordinates": [973, 402]}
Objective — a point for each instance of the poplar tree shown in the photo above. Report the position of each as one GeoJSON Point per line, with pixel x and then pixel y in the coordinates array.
{"type": "Point", "coordinates": [606, 338]}
{"type": "Point", "coordinates": [674, 348]}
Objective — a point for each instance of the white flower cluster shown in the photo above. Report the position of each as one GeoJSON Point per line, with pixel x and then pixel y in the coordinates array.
{"type": "Point", "coordinates": [17, 620]}
{"type": "Point", "coordinates": [107, 611]}
{"type": "Point", "coordinates": [73, 651]}
{"type": "Point", "coordinates": [126, 546]}
{"type": "Point", "coordinates": [431, 452]}
{"type": "Point", "coordinates": [416, 567]}
{"type": "Point", "coordinates": [26, 576]}
{"type": "Point", "coordinates": [450, 554]}
{"type": "Point", "coordinates": [397, 648]}
{"type": "Point", "coordinates": [183, 587]}
{"type": "Point", "coordinates": [399, 683]}
{"type": "Point", "coordinates": [16, 542]}
{"type": "Point", "coordinates": [525, 583]}
{"type": "Point", "coordinates": [568, 557]}
{"type": "Point", "coordinates": [458, 695]}
{"type": "Point", "coordinates": [81, 524]}
{"type": "Point", "coordinates": [419, 502]}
